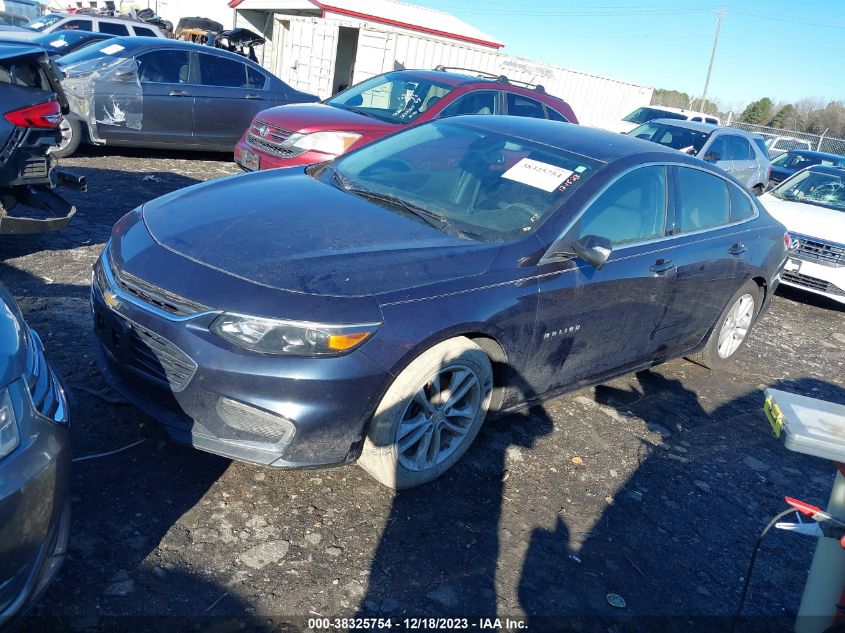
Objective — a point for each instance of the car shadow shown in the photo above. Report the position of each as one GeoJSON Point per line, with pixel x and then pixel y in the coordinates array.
{"type": "Point", "coordinates": [809, 298]}
{"type": "Point", "coordinates": [151, 152]}
{"type": "Point", "coordinates": [653, 545]}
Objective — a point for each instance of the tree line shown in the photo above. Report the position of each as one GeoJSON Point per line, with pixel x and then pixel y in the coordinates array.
{"type": "Point", "coordinates": [807, 115]}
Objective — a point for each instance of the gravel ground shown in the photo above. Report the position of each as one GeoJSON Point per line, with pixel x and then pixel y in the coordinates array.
{"type": "Point", "coordinates": [653, 486]}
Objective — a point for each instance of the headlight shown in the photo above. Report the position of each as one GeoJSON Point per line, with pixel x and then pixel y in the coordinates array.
{"type": "Point", "coordinates": [293, 338]}
{"type": "Point", "coordinates": [9, 438]}
{"type": "Point", "coordinates": [334, 143]}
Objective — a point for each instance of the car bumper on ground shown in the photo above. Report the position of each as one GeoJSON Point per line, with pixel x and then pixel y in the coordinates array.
{"type": "Point", "coordinates": [280, 411]}
{"type": "Point", "coordinates": [813, 276]}
{"type": "Point", "coordinates": [34, 494]}
{"type": "Point", "coordinates": [252, 158]}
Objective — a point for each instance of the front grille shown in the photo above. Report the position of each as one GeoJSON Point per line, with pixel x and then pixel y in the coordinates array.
{"type": "Point", "coordinates": [44, 387]}
{"type": "Point", "coordinates": [152, 294]}
{"type": "Point", "coordinates": [805, 281]}
{"type": "Point", "coordinates": [826, 253]}
{"type": "Point", "coordinates": [269, 138]}
{"type": "Point", "coordinates": [160, 359]}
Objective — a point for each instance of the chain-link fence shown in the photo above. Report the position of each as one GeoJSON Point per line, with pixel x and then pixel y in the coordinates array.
{"type": "Point", "coordinates": [794, 140]}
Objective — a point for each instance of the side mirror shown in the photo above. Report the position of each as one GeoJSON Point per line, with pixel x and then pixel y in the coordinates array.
{"type": "Point", "coordinates": [593, 249]}
{"type": "Point", "coordinates": [713, 157]}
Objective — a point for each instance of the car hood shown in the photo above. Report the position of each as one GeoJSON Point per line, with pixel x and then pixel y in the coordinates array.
{"type": "Point", "coordinates": [286, 230]}
{"type": "Point", "coordinates": [806, 219]}
{"type": "Point", "coordinates": [315, 117]}
{"type": "Point", "coordinates": [12, 339]}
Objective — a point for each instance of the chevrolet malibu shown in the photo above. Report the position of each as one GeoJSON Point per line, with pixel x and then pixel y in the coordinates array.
{"type": "Point", "coordinates": [378, 307]}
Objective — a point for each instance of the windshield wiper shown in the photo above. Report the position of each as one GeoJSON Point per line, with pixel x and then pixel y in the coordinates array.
{"type": "Point", "coordinates": [431, 218]}
{"type": "Point", "coordinates": [339, 178]}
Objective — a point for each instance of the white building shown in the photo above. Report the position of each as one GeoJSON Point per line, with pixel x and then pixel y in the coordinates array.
{"type": "Point", "coordinates": [320, 46]}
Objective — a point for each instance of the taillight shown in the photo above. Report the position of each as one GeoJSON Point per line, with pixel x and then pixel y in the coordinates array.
{"type": "Point", "coordinates": [42, 115]}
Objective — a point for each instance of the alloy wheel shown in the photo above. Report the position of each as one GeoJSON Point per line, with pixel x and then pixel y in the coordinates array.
{"type": "Point", "coordinates": [736, 326]}
{"type": "Point", "coordinates": [66, 134]}
{"type": "Point", "coordinates": [438, 417]}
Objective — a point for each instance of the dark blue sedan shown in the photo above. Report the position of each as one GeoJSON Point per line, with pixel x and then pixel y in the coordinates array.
{"type": "Point", "coordinates": [797, 159]}
{"type": "Point", "coordinates": [378, 307]}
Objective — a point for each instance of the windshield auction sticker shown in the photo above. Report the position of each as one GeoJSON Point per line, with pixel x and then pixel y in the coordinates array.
{"type": "Point", "coordinates": [536, 174]}
{"type": "Point", "coordinates": [112, 49]}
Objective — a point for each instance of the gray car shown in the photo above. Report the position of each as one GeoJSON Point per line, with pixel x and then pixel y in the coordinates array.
{"type": "Point", "coordinates": [34, 466]}
{"type": "Point", "coordinates": [741, 154]}
{"type": "Point", "coordinates": [140, 91]}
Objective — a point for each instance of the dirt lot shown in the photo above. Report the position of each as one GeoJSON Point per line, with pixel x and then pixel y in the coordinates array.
{"type": "Point", "coordinates": [676, 473]}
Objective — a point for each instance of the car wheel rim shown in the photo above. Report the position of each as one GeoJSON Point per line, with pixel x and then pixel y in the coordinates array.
{"type": "Point", "coordinates": [66, 132]}
{"type": "Point", "coordinates": [736, 326]}
{"type": "Point", "coordinates": [438, 418]}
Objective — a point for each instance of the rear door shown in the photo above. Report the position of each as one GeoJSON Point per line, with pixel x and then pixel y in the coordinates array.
{"type": "Point", "coordinates": [167, 102]}
{"type": "Point", "coordinates": [717, 151]}
{"type": "Point", "coordinates": [229, 93]}
{"type": "Point", "coordinates": [520, 105]}
{"type": "Point", "coordinates": [743, 160]}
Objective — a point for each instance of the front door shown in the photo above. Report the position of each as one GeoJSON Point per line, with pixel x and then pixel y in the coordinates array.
{"type": "Point", "coordinates": [229, 94]}
{"type": "Point", "coordinates": [591, 322]}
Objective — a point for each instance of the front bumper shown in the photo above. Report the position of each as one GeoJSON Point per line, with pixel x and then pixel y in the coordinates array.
{"type": "Point", "coordinates": [827, 281]}
{"type": "Point", "coordinates": [34, 500]}
{"type": "Point", "coordinates": [267, 160]}
{"type": "Point", "coordinates": [279, 411]}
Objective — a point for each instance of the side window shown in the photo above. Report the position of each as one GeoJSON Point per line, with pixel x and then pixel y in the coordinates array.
{"type": "Point", "coordinates": [113, 29]}
{"type": "Point", "coordinates": [703, 200]}
{"type": "Point", "coordinates": [740, 149]}
{"type": "Point", "coordinates": [523, 106]}
{"type": "Point", "coordinates": [713, 121]}
{"type": "Point", "coordinates": [142, 31]}
{"type": "Point", "coordinates": [255, 79]}
{"type": "Point", "coordinates": [741, 206]}
{"type": "Point", "coordinates": [77, 25]}
{"type": "Point", "coordinates": [632, 209]}
{"type": "Point", "coordinates": [164, 67]}
{"type": "Point", "coordinates": [219, 71]}
{"type": "Point", "coordinates": [718, 149]}
{"type": "Point", "coordinates": [476, 102]}
{"type": "Point", "coordinates": [554, 115]}
{"type": "Point", "coordinates": [696, 118]}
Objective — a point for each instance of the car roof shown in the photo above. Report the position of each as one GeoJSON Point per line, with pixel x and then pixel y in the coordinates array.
{"type": "Point", "coordinates": [811, 152]}
{"type": "Point", "coordinates": [828, 169]}
{"type": "Point", "coordinates": [86, 16]}
{"type": "Point", "coordinates": [681, 111]}
{"type": "Point", "coordinates": [707, 127]}
{"type": "Point", "coordinates": [132, 43]}
{"type": "Point", "coordinates": [590, 142]}
{"type": "Point", "coordinates": [9, 51]}
{"type": "Point", "coordinates": [464, 78]}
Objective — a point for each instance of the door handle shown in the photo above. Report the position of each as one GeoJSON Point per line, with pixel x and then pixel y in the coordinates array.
{"type": "Point", "coordinates": [737, 249]}
{"type": "Point", "coordinates": [662, 266]}
{"type": "Point", "coordinates": [252, 96]}
{"type": "Point", "coordinates": [179, 93]}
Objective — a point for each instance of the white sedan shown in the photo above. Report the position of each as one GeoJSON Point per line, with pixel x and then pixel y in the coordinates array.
{"type": "Point", "coordinates": [811, 204]}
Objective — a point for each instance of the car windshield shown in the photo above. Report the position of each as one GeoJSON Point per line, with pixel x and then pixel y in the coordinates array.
{"type": "Point", "coordinates": [814, 187]}
{"type": "Point", "coordinates": [470, 182]}
{"type": "Point", "coordinates": [397, 97]}
{"type": "Point", "coordinates": [643, 115]}
{"type": "Point", "coordinates": [680, 138]}
{"type": "Point", "coordinates": [44, 22]}
{"type": "Point", "coordinates": [108, 49]}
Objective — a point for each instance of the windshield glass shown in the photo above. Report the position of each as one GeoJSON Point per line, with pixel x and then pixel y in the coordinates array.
{"type": "Point", "coordinates": [107, 50]}
{"type": "Point", "coordinates": [45, 21]}
{"type": "Point", "coordinates": [814, 187]}
{"type": "Point", "coordinates": [680, 138]}
{"type": "Point", "coordinates": [394, 97]}
{"type": "Point", "coordinates": [643, 115]}
{"type": "Point", "coordinates": [469, 182]}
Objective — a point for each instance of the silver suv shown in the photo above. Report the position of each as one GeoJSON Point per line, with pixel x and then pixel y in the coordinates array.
{"type": "Point", "coordinates": [741, 154]}
{"type": "Point", "coordinates": [99, 24]}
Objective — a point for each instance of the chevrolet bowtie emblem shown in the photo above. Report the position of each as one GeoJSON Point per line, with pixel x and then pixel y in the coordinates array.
{"type": "Point", "coordinates": [111, 299]}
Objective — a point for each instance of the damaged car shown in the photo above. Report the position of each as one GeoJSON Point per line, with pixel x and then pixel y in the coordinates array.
{"type": "Point", "coordinates": [376, 307]}
{"type": "Point", "coordinates": [59, 44]}
{"type": "Point", "coordinates": [145, 92]}
{"type": "Point", "coordinates": [31, 107]}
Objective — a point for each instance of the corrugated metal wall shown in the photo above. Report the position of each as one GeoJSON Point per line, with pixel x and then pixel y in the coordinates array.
{"type": "Point", "coordinates": [306, 60]}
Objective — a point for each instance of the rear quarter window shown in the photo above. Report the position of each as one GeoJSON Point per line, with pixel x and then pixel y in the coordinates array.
{"type": "Point", "coordinates": [741, 206]}
{"type": "Point", "coordinates": [761, 145]}
{"type": "Point", "coordinates": [113, 29]}
{"type": "Point", "coordinates": [143, 32]}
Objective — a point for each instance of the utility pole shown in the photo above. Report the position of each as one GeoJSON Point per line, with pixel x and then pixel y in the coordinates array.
{"type": "Point", "coordinates": [720, 14]}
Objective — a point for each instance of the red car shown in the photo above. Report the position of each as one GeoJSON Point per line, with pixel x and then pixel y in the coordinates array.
{"type": "Point", "coordinates": [301, 134]}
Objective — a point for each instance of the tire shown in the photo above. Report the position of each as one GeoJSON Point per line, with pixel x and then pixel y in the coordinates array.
{"type": "Point", "coordinates": [71, 138]}
{"type": "Point", "coordinates": [740, 316]}
{"type": "Point", "coordinates": [759, 190]}
{"type": "Point", "coordinates": [414, 406]}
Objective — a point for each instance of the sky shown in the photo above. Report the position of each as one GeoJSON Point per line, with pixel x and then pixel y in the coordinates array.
{"type": "Point", "coordinates": [781, 49]}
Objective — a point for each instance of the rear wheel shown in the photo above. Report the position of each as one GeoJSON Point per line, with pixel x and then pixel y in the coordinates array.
{"type": "Point", "coordinates": [71, 138]}
{"type": "Point", "coordinates": [732, 328]}
{"type": "Point", "coordinates": [430, 415]}
{"type": "Point", "coordinates": [759, 190]}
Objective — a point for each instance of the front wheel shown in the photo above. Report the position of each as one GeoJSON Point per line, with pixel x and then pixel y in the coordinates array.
{"type": "Point", "coordinates": [430, 415]}
{"type": "Point", "coordinates": [732, 328]}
